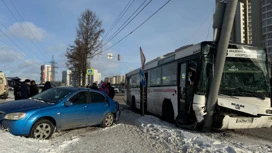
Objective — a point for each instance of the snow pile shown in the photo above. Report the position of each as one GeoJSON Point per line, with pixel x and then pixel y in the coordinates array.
{"type": "Point", "coordinates": [16, 144]}
{"type": "Point", "coordinates": [168, 138]}
{"type": "Point", "coordinates": [134, 133]}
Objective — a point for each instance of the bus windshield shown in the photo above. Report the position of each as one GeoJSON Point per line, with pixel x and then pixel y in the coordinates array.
{"type": "Point", "coordinates": [245, 77]}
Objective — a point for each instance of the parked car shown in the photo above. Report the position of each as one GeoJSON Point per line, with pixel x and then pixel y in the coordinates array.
{"type": "Point", "coordinates": [10, 88]}
{"type": "Point", "coordinates": [122, 90]}
{"type": "Point", "coordinates": [116, 90]}
{"type": "Point", "coordinates": [58, 108]}
{"type": "Point", "coordinates": [3, 86]}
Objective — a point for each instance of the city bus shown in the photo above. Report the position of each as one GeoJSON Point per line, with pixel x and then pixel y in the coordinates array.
{"type": "Point", "coordinates": [178, 83]}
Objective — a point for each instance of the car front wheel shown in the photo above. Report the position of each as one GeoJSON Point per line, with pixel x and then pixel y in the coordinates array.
{"type": "Point", "coordinates": [42, 129]}
{"type": "Point", "coordinates": [108, 120]}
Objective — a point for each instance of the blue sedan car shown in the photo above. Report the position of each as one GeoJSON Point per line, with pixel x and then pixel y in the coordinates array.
{"type": "Point", "coordinates": [58, 109]}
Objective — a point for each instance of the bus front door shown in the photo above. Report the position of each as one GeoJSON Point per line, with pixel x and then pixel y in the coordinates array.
{"type": "Point", "coordinates": [182, 92]}
{"type": "Point", "coordinates": [186, 91]}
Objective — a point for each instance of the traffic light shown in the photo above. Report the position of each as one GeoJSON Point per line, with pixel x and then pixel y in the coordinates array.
{"type": "Point", "coordinates": [110, 55]}
{"type": "Point", "coordinates": [118, 57]}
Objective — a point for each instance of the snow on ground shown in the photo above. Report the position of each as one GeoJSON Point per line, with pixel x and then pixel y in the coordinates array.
{"type": "Point", "coordinates": [135, 133]}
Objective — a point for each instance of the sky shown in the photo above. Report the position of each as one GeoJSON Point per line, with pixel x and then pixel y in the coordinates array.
{"type": "Point", "coordinates": [34, 31]}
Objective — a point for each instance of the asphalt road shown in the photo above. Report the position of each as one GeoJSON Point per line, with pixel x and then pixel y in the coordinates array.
{"type": "Point", "coordinates": [120, 98]}
{"type": "Point", "coordinates": [263, 133]}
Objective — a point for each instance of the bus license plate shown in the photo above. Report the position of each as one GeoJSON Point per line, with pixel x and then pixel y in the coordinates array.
{"type": "Point", "coordinates": [244, 120]}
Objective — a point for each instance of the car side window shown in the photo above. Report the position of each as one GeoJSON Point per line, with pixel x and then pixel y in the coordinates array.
{"type": "Point", "coordinates": [79, 98]}
{"type": "Point", "coordinates": [97, 98]}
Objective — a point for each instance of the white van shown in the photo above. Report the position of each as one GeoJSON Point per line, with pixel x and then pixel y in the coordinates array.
{"type": "Point", "coordinates": [3, 86]}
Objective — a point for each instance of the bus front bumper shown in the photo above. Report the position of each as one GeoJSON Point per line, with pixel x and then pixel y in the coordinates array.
{"type": "Point", "coordinates": [246, 122]}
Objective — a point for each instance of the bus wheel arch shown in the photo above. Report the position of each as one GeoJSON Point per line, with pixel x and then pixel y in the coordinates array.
{"type": "Point", "coordinates": [167, 111]}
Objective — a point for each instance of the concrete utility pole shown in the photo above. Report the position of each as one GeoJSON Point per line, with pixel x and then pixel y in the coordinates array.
{"type": "Point", "coordinates": [220, 60]}
{"type": "Point", "coordinates": [217, 20]}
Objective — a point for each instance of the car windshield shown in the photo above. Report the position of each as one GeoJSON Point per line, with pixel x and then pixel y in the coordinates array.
{"type": "Point", "coordinates": [53, 95]}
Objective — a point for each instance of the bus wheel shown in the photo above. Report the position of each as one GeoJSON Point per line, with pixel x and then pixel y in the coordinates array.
{"type": "Point", "coordinates": [167, 111]}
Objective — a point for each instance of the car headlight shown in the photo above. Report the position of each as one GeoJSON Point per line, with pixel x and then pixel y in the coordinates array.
{"type": "Point", "coordinates": [15, 116]}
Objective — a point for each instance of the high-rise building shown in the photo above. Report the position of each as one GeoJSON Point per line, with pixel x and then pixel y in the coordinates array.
{"type": "Point", "coordinates": [247, 23]}
{"type": "Point", "coordinates": [115, 79]}
{"type": "Point", "coordinates": [96, 77]}
{"type": "Point", "coordinates": [46, 73]}
{"type": "Point", "coordinates": [267, 25]}
{"type": "Point", "coordinates": [66, 78]}
{"type": "Point", "coordinates": [239, 29]}
{"type": "Point", "coordinates": [256, 20]}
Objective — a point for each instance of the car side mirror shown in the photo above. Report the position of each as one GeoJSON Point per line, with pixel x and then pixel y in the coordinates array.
{"type": "Point", "coordinates": [68, 103]}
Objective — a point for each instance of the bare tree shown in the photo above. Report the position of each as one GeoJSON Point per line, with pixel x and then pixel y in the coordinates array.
{"type": "Point", "coordinates": [87, 45]}
{"type": "Point", "coordinates": [74, 62]}
{"type": "Point", "coordinates": [88, 33]}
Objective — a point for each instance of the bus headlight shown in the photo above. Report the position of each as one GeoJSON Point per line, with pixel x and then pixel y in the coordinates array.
{"type": "Point", "coordinates": [15, 116]}
{"type": "Point", "coordinates": [268, 111]}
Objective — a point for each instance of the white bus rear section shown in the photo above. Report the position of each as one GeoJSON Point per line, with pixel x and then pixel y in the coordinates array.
{"type": "Point", "coordinates": [155, 98]}
{"type": "Point", "coordinates": [157, 95]}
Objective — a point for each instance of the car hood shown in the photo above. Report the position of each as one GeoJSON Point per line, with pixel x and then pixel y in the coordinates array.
{"type": "Point", "coordinates": [22, 105]}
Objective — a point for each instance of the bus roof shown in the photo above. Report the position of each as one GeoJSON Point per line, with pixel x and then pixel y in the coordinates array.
{"type": "Point", "coordinates": [184, 51]}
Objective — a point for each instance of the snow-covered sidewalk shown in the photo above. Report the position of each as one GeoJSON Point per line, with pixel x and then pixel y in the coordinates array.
{"type": "Point", "coordinates": [135, 133]}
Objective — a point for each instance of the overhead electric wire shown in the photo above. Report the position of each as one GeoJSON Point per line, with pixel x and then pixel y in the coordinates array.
{"type": "Point", "coordinates": [17, 46]}
{"type": "Point", "coordinates": [111, 61]}
{"type": "Point", "coordinates": [123, 26]}
{"type": "Point", "coordinates": [14, 48]}
{"type": "Point", "coordinates": [22, 58]}
{"type": "Point", "coordinates": [119, 17]}
{"type": "Point", "coordinates": [26, 25]}
{"type": "Point", "coordinates": [19, 57]}
{"type": "Point", "coordinates": [21, 27]}
{"type": "Point", "coordinates": [201, 25]}
{"type": "Point", "coordinates": [138, 26]}
{"type": "Point", "coordinates": [11, 41]}
{"type": "Point", "coordinates": [22, 44]}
